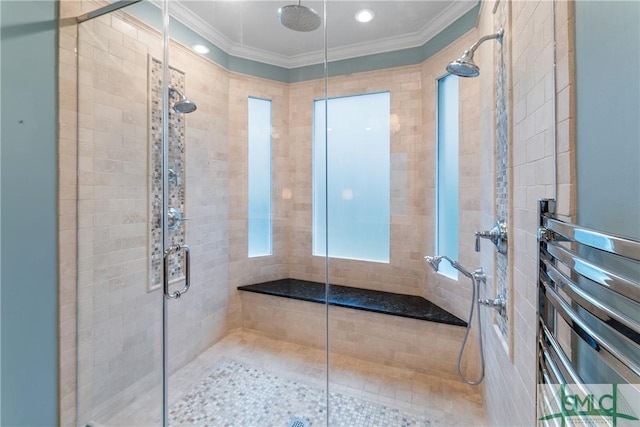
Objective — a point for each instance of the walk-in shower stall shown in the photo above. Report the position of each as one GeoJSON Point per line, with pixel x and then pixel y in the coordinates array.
{"type": "Point", "coordinates": [256, 192]}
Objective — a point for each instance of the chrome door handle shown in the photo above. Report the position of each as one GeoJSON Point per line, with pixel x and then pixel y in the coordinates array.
{"type": "Point", "coordinates": [187, 271]}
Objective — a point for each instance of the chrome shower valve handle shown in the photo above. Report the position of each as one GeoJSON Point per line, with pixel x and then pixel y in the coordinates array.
{"type": "Point", "coordinates": [497, 235]}
{"type": "Point", "coordinates": [499, 303]}
{"type": "Point", "coordinates": [174, 218]}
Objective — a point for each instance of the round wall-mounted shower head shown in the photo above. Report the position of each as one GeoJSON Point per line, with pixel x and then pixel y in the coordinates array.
{"type": "Point", "coordinates": [183, 106]}
{"type": "Point", "coordinates": [464, 66]}
{"type": "Point", "coordinates": [299, 18]}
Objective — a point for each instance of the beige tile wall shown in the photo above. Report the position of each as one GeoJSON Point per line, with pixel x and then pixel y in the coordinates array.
{"type": "Point", "coordinates": [301, 265]}
{"type": "Point", "coordinates": [413, 101]}
{"type": "Point", "coordinates": [412, 219]}
{"type": "Point", "coordinates": [425, 347]}
{"type": "Point", "coordinates": [200, 320]}
{"type": "Point", "coordinates": [452, 295]}
{"type": "Point", "coordinates": [510, 387]}
{"type": "Point", "coordinates": [116, 348]}
{"type": "Point", "coordinates": [345, 272]}
{"type": "Point", "coordinates": [412, 91]}
{"type": "Point", "coordinates": [242, 269]}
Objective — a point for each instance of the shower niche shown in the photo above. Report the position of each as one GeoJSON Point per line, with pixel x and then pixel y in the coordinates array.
{"type": "Point", "coordinates": [176, 162]}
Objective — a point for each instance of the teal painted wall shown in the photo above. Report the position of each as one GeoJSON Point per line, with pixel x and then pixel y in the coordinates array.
{"type": "Point", "coordinates": [607, 152]}
{"type": "Point", "coordinates": [28, 180]}
{"type": "Point", "coordinates": [607, 115]}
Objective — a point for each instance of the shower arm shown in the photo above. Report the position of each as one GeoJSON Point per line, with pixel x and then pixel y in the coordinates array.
{"type": "Point", "coordinates": [497, 35]}
{"type": "Point", "coordinates": [174, 90]}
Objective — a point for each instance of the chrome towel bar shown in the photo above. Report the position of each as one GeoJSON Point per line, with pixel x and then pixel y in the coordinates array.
{"type": "Point", "coordinates": [588, 305]}
{"type": "Point", "coordinates": [611, 243]}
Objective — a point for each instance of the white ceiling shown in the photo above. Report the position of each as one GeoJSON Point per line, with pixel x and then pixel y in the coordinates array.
{"type": "Point", "coordinates": [250, 29]}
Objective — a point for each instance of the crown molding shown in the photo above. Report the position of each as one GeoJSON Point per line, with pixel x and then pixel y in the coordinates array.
{"type": "Point", "coordinates": [278, 60]}
{"type": "Point", "coordinates": [452, 13]}
{"type": "Point", "coordinates": [200, 26]}
{"type": "Point", "coordinates": [431, 28]}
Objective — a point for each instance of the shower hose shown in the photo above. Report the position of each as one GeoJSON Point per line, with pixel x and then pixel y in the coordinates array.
{"type": "Point", "coordinates": [475, 300]}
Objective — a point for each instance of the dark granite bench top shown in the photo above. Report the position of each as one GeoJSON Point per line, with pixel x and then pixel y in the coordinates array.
{"type": "Point", "coordinates": [410, 306]}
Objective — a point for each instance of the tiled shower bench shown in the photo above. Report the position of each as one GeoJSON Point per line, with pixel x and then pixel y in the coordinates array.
{"type": "Point", "coordinates": [410, 306]}
{"type": "Point", "coordinates": [406, 331]}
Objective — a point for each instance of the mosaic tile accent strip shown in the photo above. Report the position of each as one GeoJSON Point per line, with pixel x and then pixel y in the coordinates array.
{"type": "Point", "coordinates": [238, 395]}
{"type": "Point", "coordinates": [176, 163]}
{"type": "Point", "coordinates": [502, 173]}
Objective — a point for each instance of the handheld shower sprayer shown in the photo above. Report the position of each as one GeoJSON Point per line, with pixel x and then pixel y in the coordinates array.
{"type": "Point", "coordinates": [477, 277]}
{"type": "Point", "coordinates": [434, 261]}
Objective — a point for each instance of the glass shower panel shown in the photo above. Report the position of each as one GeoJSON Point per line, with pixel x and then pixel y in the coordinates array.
{"type": "Point", "coordinates": [120, 368]}
{"type": "Point", "coordinates": [231, 354]}
{"type": "Point", "coordinates": [392, 359]}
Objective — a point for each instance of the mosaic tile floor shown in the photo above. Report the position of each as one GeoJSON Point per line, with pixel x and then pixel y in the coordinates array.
{"type": "Point", "coordinates": [249, 380]}
{"type": "Point", "coordinates": [239, 395]}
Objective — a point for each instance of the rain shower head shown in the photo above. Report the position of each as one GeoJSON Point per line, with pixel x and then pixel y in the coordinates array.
{"type": "Point", "coordinates": [465, 66]}
{"type": "Point", "coordinates": [299, 18]}
{"type": "Point", "coordinates": [183, 106]}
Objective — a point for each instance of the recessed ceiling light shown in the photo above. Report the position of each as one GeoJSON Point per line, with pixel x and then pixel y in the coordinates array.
{"type": "Point", "coordinates": [364, 15]}
{"type": "Point", "coordinates": [200, 48]}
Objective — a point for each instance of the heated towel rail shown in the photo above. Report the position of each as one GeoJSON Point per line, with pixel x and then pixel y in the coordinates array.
{"type": "Point", "coordinates": [588, 305]}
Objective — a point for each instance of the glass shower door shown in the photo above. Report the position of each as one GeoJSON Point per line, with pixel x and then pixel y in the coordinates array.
{"type": "Point", "coordinates": [231, 354]}
{"type": "Point", "coordinates": [168, 141]}
{"type": "Point", "coordinates": [120, 328]}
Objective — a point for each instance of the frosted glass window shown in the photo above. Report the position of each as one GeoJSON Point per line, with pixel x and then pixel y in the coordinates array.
{"type": "Point", "coordinates": [259, 160]}
{"type": "Point", "coordinates": [351, 170]}
{"type": "Point", "coordinates": [447, 173]}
